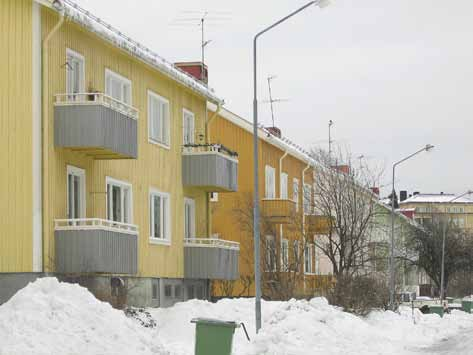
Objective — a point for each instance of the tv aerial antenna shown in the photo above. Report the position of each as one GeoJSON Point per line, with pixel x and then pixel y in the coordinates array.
{"type": "Point", "coordinates": [272, 100]}
{"type": "Point", "coordinates": [202, 19]}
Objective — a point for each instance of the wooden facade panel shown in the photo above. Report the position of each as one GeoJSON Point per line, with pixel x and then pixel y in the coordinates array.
{"type": "Point", "coordinates": [16, 135]}
{"type": "Point", "coordinates": [156, 167]}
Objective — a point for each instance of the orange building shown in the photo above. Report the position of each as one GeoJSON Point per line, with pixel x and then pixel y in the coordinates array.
{"type": "Point", "coordinates": [290, 263]}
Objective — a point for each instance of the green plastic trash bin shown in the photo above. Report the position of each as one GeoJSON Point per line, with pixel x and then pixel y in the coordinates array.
{"type": "Point", "coordinates": [467, 305]}
{"type": "Point", "coordinates": [213, 336]}
{"type": "Point", "coordinates": [437, 309]}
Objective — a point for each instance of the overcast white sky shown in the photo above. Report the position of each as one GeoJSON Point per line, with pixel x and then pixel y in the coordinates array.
{"type": "Point", "coordinates": [393, 75]}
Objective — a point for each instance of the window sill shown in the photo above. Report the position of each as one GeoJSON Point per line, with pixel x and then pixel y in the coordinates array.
{"type": "Point", "coordinates": [155, 241]}
{"type": "Point", "coordinates": [310, 273]}
{"type": "Point", "coordinates": [162, 145]}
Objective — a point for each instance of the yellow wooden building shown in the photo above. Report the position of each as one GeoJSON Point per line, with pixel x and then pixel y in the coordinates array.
{"type": "Point", "coordinates": [106, 166]}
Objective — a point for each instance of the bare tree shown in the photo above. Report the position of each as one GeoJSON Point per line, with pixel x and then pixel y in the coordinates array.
{"type": "Point", "coordinates": [343, 195]}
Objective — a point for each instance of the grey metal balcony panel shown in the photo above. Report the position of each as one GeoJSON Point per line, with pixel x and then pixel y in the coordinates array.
{"type": "Point", "coordinates": [211, 171]}
{"type": "Point", "coordinates": [211, 263]}
{"type": "Point", "coordinates": [96, 251]}
{"type": "Point", "coordinates": [95, 126]}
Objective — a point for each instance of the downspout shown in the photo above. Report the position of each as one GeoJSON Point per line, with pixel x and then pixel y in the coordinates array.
{"type": "Point", "coordinates": [45, 136]}
{"type": "Point", "coordinates": [207, 140]}
{"type": "Point", "coordinates": [303, 218]}
{"type": "Point", "coordinates": [280, 192]}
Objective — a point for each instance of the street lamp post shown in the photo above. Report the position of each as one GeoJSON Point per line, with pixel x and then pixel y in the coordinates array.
{"type": "Point", "coordinates": [256, 231]}
{"type": "Point", "coordinates": [444, 232]}
{"type": "Point", "coordinates": [392, 290]}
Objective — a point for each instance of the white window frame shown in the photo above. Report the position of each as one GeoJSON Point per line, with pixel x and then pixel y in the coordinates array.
{"type": "Point", "coordinates": [186, 112]}
{"type": "Point", "coordinates": [270, 182]}
{"type": "Point", "coordinates": [283, 181]}
{"type": "Point", "coordinates": [71, 54]}
{"type": "Point", "coordinates": [166, 122]}
{"type": "Point", "coordinates": [73, 170]}
{"type": "Point", "coordinates": [124, 81]}
{"type": "Point", "coordinates": [284, 255]}
{"type": "Point", "coordinates": [307, 192]}
{"type": "Point", "coordinates": [310, 248]}
{"type": "Point", "coordinates": [191, 203]}
{"type": "Point", "coordinates": [166, 218]}
{"type": "Point", "coordinates": [295, 192]}
{"type": "Point", "coordinates": [108, 202]}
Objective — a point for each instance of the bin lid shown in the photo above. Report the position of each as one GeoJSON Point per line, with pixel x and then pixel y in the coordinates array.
{"type": "Point", "coordinates": [216, 322]}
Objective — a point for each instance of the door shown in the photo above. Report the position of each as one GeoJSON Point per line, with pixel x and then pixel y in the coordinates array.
{"type": "Point", "coordinates": [189, 218]}
{"type": "Point", "coordinates": [75, 192]}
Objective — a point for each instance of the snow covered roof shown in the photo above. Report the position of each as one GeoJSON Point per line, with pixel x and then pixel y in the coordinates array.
{"type": "Point", "coordinates": [435, 198]}
{"type": "Point", "coordinates": [114, 36]}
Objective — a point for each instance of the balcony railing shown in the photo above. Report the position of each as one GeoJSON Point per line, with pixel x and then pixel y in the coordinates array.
{"type": "Point", "coordinates": [97, 125]}
{"type": "Point", "coordinates": [94, 245]}
{"type": "Point", "coordinates": [211, 258]}
{"type": "Point", "coordinates": [318, 224]}
{"type": "Point", "coordinates": [94, 223]}
{"type": "Point", "coordinates": [211, 243]}
{"type": "Point", "coordinates": [278, 211]}
{"type": "Point", "coordinates": [94, 98]}
{"type": "Point", "coordinates": [211, 167]}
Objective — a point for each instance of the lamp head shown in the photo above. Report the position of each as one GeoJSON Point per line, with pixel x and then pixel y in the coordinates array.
{"type": "Point", "coordinates": [323, 3]}
{"type": "Point", "coordinates": [57, 4]}
{"type": "Point", "coordinates": [429, 147]}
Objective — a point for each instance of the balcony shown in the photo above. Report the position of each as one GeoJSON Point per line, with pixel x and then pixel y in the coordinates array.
{"type": "Point", "coordinates": [97, 125]}
{"type": "Point", "coordinates": [93, 245]}
{"type": "Point", "coordinates": [318, 224]}
{"type": "Point", "coordinates": [206, 258]}
{"type": "Point", "coordinates": [278, 211]}
{"type": "Point", "coordinates": [210, 167]}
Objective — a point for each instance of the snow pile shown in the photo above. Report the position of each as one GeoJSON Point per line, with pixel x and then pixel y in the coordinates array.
{"type": "Point", "coordinates": [311, 327]}
{"type": "Point", "coordinates": [50, 317]}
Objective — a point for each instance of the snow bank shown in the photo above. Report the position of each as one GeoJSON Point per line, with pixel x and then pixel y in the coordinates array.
{"type": "Point", "coordinates": [50, 317]}
{"type": "Point", "coordinates": [311, 327]}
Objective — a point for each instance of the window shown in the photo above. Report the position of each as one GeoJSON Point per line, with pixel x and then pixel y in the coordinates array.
{"type": "Point", "coordinates": [188, 127]}
{"type": "Point", "coordinates": [159, 217]}
{"type": "Point", "coordinates": [317, 260]}
{"type": "Point", "coordinates": [283, 191]}
{"type": "Point", "coordinates": [270, 182]}
{"type": "Point", "coordinates": [177, 291]}
{"type": "Point", "coordinates": [118, 87]}
{"type": "Point", "coordinates": [158, 119]}
{"type": "Point", "coordinates": [315, 197]}
{"type": "Point", "coordinates": [168, 291]}
{"type": "Point", "coordinates": [75, 73]}
{"type": "Point", "coordinates": [284, 255]}
{"type": "Point", "coordinates": [119, 201]}
{"type": "Point", "coordinates": [270, 253]}
{"type": "Point", "coordinates": [308, 259]}
{"type": "Point", "coordinates": [75, 192]}
{"type": "Point", "coordinates": [306, 202]}
{"type": "Point", "coordinates": [295, 192]}
{"type": "Point", "coordinates": [190, 292]}
{"type": "Point", "coordinates": [154, 290]}
{"type": "Point", "coordinates": [189, 218]}
{"type": "Point", "coordinates": [295, 249]}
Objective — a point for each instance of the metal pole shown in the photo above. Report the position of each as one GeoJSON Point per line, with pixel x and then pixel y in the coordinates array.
{"type": "Point", "coordinates": [392, 281]}
{"type": "Point", "coordinates": [256, 211]}
{"type": "Point", "coordinates": [391, 259]}
{"type": "Point", "coordinates": [442, 272]}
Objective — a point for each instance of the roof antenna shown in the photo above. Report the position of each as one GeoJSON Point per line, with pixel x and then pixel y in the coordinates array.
{"type": "Point", "coordinates": [271, 100]}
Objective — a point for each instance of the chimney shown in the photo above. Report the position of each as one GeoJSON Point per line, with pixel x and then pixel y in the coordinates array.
{"type": "Point", "coordinates": [196, 69]}
{"type": "Point", "coordinates": [402, 195]}
{"type": "Point", "coordinates": [375, 190]}
{"type": "Point", "coordinates": [342, 168]}
{"type": "Point", "coordinates": [275, 131]}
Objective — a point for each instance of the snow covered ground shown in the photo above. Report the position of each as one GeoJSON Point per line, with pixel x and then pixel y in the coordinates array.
{"type": "Point", "coordinates": [48, 317]}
